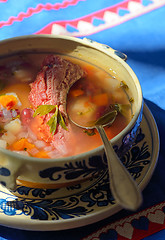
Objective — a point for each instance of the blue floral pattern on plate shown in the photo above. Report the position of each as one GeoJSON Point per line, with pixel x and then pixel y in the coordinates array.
{"type": "Point", "coordinates": [99, 195]}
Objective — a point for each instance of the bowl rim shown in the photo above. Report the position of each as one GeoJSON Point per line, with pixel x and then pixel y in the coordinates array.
{"type": "Point", "coordinates": [98, 48]}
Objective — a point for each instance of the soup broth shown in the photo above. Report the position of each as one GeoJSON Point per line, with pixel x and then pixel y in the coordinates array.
{"type": "Point", "coordinates": [32, 125]}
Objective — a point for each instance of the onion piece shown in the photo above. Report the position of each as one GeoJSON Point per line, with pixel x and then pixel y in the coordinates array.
{"type": "Point", "coordinates": [3, 143]}
{"type": "Point", "coordinates": [40, 144]}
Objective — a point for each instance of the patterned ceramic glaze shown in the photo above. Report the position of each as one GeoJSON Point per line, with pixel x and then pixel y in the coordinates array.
{"type": "Point", "coordinates": [71, 170]}
{"type": "Point", "coordinates": [83, 203]}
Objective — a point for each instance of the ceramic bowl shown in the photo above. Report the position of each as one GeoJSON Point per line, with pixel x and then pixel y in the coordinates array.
{"type": "Point", "coordinates": [16, 169]}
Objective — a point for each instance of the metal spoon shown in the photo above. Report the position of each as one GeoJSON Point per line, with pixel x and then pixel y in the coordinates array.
{"type": "Point", "coordinates": [124, 189]}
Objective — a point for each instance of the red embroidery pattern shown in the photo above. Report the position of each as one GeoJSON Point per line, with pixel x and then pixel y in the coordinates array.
{"type": "Point", "coordinates": [39, 8]}
{"type": "Point", "coordinates": [136, 226]}
{"type": "Point", "coordinates": [84, 26]}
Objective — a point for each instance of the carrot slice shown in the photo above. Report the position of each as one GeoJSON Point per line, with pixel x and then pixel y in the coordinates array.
{"type": "Point", "coordinates": [100, 99]}
{"type": "Point", "coordinates": [8, 101]}
{"type": "Point", "coordinates": [89, 69]}
{"type": "Point", "coordinates": [76, 92]}
{"type": "Point", "coordinates": [29, 145]}
{"type": "Point", "coordinates": [41, 154]}
{"type": "Point", "coordinates": [19, 145]}
{"type": "Point", "coordinates": [87, 104]}
{"type": "Point", "coordinates": [22, 144]}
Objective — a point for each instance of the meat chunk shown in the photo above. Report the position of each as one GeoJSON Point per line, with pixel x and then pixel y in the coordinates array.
{"type": "Point", "coordinates": [50, 88]}
{"type": "Point", "coordinates": [53, 82]}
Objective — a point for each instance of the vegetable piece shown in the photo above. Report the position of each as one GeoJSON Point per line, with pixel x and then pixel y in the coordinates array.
{"type": "Point", "coordinates": [122, 108]}
{"type": "Point", "coordinates": [8, 115]}
{"type": "Point", "coordinates": [52, 123]}
{"type": "Point", "coordinates": [40, 144]}
{"type": "Point", "coordinates": [76, 92]}
{"type": "Point", "coordinates": [13, 126]}
{"type": "Point", "coordinates": [43, 110]}
{"type": "Point", "coordinates": [83, 106]}
{"type": "Point", "coordinates": [61, 121]}
{"type": "Point", "coordinates": [15, 113]}
{"type": "Point", "coordinates": [41, 154]}
{"type": "Point", "coordinates": [3, 143]}
{"type": "Point", "coordinates": [23, 75]}
{"type": "Point", "coordinates": [54, 120]}
{"type": "Point", "coordinates": [107, 118]}
{"type": "Point", "coordinates": [8, 101]}
{"type": "Point", "coordinates": [19, 145]}
{"type": "Point", "coordinates": [124, 85]}
{"type": "Point", "coordinates": [90, 69]}
{"type": "Point", "coordinates": [22, 144]}
{"type": "Point", "coordinates": [131, 100]}
{"type": "Point", "coordinates": [28, 145]}
{"type": "Point", "coordinates": [87, 104]}
{"type": "Point", "coordinates": [90, 132]}
{"type": "Point", "coordinates": [100, 99]}
{"type": "Point", "coordinates": [9, 137]}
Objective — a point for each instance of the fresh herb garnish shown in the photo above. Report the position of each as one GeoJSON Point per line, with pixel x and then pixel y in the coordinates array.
{"type": "Point", "coordinates": [116, 107]}
{"type": "Point", "coordinates": [111, 115]}
{"type": "Point", "coordinates": [43, 110]}
{"type": "Point", "coordinates": [53, 122]}
{"type": "Point", "coordinates": [80, 113]}
{"type": "Point", "coordinates": [131, 100]}
{"type": "Point", "coordinates": [90, 132]}
{"type": "Point", "coordinates": [61, 121]}
{"type": "Point", "coordinates": [122, 108]}
{"type": "Point", "coordinates": [56, 118]}
{"type": "Point", "coordinates": [107, 118]}
{"type": "Point", "coordinates": [123, 85]}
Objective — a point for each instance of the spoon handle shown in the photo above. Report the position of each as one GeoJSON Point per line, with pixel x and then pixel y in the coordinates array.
{"type": "Point", "coordinates": [123, 187]}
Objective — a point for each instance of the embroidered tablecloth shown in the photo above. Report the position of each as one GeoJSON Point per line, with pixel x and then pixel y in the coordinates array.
{"type": "Point", "coordinates": [137, 28]}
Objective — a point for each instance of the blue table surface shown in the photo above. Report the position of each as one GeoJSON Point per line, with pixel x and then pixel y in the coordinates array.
{"type": "Point", "coordinates": [142, 39]}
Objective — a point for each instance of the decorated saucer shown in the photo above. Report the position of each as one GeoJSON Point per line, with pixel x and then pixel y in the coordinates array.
{"type": "Point", "coordinates": [84, 203]}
